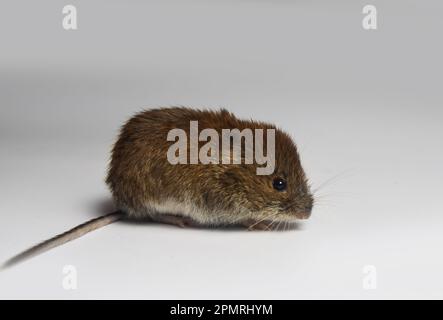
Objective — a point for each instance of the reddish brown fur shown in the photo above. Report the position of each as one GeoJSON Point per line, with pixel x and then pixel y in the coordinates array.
{"type": "Point", "coordinates": [141, 179]}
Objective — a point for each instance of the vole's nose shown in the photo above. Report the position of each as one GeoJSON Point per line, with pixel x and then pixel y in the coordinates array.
{"type": "Point", "coordinates": [306, 213]}
{"type": "Point", "coordinates": [309, 207]}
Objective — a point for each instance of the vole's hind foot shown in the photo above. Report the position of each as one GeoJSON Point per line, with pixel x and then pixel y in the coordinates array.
{"type": "Point", "coordinates": [182, 222]}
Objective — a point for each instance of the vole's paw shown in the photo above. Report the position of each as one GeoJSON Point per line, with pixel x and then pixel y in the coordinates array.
{"type": "Point", "coordinates": [178, 221]}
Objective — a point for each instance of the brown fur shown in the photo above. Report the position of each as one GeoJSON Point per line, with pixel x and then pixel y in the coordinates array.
{"type": "Point", "coordinates": [145, 185]}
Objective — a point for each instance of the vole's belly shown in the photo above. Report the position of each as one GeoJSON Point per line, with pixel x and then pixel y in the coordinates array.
{"type": "Point", "coordinates": [157, 210]}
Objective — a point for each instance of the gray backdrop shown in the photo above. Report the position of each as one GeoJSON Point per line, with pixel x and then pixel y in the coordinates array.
{"type": "Point", "coordinates": [364, 108]}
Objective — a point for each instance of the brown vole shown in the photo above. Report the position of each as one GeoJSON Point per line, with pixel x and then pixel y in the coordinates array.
{"type": "Point", "coordinates": [146, 185]}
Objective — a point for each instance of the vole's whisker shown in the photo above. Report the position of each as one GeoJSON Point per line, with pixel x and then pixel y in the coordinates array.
{"type": "Point", "coordinates": [277, 224]}
{"type": "Point", "coordinates": [329, 181]}
{"type": "Point", "coordinates": [291, 204]}
{"type": "Point", "coordinates": [266, 217]}
{"type": "Point", "coordinates": [273, 221]}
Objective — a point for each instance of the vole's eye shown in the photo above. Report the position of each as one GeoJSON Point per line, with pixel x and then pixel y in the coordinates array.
{"type": "Point", "coordinates": [279, 184]}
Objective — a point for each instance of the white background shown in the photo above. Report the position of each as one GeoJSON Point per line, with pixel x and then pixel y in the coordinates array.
{"type": "Point", "coordinates": [363, 106]}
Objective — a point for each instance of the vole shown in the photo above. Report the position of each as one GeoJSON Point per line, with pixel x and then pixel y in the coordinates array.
{"type": "Point", "coordinates": [146, 185]}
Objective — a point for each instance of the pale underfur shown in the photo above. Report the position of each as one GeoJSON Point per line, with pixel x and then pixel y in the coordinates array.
{"type": "Point", "coordinates": [181, 209]}
{"type": "Point", "coordinates": [205, 217]}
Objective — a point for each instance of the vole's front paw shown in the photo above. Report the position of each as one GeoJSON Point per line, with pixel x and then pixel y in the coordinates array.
{"type": "Point", "coordinates": [182, 222]}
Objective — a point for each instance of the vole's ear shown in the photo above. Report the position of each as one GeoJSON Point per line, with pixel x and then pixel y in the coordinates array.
{"type": "Point", "coordinates": [231, 177]}
{"type": "Point", "coordinates": [238, 177]}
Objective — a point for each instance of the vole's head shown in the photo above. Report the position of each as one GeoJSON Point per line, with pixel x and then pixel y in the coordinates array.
{"type": "Point", "coordinates": [281, 196]}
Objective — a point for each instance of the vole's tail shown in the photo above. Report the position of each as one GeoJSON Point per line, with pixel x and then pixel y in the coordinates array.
{"type": "Point", "coordinates": [67, 236]}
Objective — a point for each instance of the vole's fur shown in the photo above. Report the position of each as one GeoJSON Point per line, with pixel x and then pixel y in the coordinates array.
{"type": "Point", "coordinates": [145, 185]}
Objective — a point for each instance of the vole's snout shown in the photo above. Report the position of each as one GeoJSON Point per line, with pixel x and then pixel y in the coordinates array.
{"type": "Point", "coordinates": [306, 212]}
